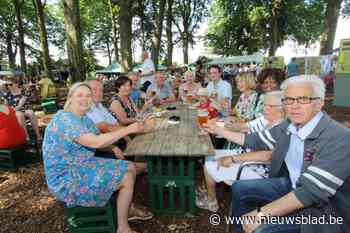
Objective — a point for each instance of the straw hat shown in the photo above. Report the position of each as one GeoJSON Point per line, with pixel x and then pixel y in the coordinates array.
{"type": "Point", "coordinates": [203, 92]}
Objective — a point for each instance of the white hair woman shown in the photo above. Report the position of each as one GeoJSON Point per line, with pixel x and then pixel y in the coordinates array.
{"type": "Point", "coordinates": [272, 115]}
{"type": "Point", "coordinates": [224, 166]}
{"type": "Point", "coordinates": [73, 174]}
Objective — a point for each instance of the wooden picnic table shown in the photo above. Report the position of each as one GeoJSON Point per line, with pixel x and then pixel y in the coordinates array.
{"type": "Point", "coordinates": [171, 151]}
{"type": "Point", "coordinates": [167, 139]}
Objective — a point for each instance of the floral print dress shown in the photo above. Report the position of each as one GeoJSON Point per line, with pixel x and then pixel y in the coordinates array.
{"type": "Point", "coordinates": [246, 105]}
{"type": "Point", "coordinates": [73, 174]}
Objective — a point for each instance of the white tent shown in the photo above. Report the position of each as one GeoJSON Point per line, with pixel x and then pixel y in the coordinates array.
{"type": "Point", "coordinates": [257, 58]}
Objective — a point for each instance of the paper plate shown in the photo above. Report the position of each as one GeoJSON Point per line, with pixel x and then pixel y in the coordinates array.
{"type": "Point", "coordinates": [173, 122]}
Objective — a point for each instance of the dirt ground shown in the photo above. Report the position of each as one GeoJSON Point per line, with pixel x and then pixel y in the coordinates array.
{"type": "Point", "coordinates": [26, 206]}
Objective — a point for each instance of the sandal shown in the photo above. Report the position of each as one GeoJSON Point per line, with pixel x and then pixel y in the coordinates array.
{"type": "Point", "coordinates": [139, 213]}
{"type": "Point", "coordinates": [204, 203]}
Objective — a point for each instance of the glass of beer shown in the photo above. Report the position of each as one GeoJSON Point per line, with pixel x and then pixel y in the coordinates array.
{"type": "Point", "coordinates": [189, 98]}
{"type": "Point", "coordinates": [202, 117]}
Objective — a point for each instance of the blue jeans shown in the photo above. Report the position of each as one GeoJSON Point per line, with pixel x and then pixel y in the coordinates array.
{"type": "Point", "coordinates": [247, 195]}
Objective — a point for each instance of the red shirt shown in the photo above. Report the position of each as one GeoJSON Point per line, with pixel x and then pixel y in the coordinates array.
{"type": "Point", "coordinates": [213, 113]}
{"type": "Point", "coordinates": [11, 132]}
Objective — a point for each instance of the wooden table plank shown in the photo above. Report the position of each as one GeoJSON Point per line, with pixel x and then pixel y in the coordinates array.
{"type": "Point", "coordinates": [181, 139]}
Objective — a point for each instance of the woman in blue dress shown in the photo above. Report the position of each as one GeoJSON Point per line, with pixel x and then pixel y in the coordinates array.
{"type": "Point", "coordinates": [73, 174]}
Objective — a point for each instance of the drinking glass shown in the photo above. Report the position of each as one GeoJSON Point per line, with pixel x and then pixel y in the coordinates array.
{"type": "Point", "coordinates": [202, 117]}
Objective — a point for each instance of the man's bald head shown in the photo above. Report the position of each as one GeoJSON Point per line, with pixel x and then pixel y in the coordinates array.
{"type": "Point", "coordinates": [97, 90]}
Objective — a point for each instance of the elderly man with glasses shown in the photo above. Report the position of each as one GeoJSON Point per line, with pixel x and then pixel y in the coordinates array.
{"type": "Point", "coordinates": [310, 168]}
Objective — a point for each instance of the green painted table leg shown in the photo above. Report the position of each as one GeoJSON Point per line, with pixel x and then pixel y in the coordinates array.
{"type": "Point", "coordinates": [170, 178]}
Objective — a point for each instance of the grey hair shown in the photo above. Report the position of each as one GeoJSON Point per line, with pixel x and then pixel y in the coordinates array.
{"type": "Point", "coordinates": [275, 94]}
{"type": "Point", "coordinates": [314, 81]}
{"type": "Point", "coordinates": [71, 91]}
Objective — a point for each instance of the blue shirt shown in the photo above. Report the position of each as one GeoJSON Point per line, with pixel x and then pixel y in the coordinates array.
{"type": "Point", "coordinates": [295, 155]}
{"type": "Point", "coordinates": [135, 96]}
{"type": "Point", "coordinates": [98, 113]}
{"type": "Point", "coordinates": [162, 93]}
{"type": "Point", "coordinates": [222, 88]}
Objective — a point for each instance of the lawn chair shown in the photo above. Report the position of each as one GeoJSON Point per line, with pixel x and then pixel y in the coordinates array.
{"type": "Point", "coordinates": [266, 166]}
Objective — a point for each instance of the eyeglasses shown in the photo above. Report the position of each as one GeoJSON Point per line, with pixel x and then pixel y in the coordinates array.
{"type": "Point", "coordinates": [299, 100]}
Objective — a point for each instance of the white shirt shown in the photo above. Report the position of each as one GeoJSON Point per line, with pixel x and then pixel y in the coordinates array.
{"type": "Point", "coordinates": [257, 125]}
{"type": "Point", "coordinates": [222, 88]}
{"type": "Point", "coordinates": [295, 155]}
{"type": "Point", "coordinates": [147, 67]}
{"type": "Point", "coordinates": [98, 113]}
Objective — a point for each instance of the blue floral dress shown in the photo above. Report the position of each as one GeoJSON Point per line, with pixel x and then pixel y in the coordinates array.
{"type": "Point", "coordinates": [73, 174]}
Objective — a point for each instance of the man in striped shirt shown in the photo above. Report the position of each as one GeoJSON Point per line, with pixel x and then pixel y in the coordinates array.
{"type": "Point", "coordinates": [310, 168]}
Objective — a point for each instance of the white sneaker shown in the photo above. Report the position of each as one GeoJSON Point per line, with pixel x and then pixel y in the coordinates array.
{"type": "Point", "coordinates": [204, 203]}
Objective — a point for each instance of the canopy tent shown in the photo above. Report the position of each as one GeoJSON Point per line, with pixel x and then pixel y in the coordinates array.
{"type": "Point", "coordinates": [138, 66]}
{"type": "Point", "coordinates": [161, 67]}
{"type": "Point", "coordinates": [257, 58]}
{"type": "Point", "coordinates": [113, 68]}
{"type": "Point", "coordinates": [191, 66]}
{"type": "Point", "coordinates": [10, 73]}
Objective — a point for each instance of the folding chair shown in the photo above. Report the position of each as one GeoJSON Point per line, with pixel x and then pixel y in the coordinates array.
{"type": "Point", "coordinates": [238, 177]}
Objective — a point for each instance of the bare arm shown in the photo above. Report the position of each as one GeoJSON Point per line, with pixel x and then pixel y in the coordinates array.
{"type": "Point", "coordinates": [235, 137]}
{"type": "Point", "coordinates": [281, 207]}
{"type": "Point", "coordinates": [256, 156]}
{"type": "Point", "coordinates": [119, 111]}
{"type": "Point", "coordinates": [104, 140]}
{"type": "Point", "coordinates": [168, 100]}
{"type": "Point", "coordinates": [105, 127]}
{"type": "Point", "coordinates": [21, 102]}
{"type": "Point", "coordinates": [147, 74]}
{"type": "Point", "coordinates": [259, 156]}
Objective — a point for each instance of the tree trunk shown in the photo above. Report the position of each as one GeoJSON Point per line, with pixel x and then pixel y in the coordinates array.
{"type": "Point", "coordinates": [109, 52]}
{"type": "Point", "coordinates": [327, 37]}
{"type": "Point", "coordinates": [74, 39]}
{"type": "Point", "coordinates": [10, 53]}
{"type": "Point", "coordinates": [185, 48]}
{"type": "Point", "coordinates": [274, 29]}
{"type": "Point", "coordinates": [43, 37]}
{"type": "Point", "coordinates": [20, 30]}
{"type": "Point", "coordinates": [125, 24]}
{"type": "Point", "coordinates": [142, 16]}
{"type": "Point", "coordinates": [157, 35]}
{"type": "Point", "coordinates": [115, 30]}
{"type": "Point", "coordinates": [169, 33]}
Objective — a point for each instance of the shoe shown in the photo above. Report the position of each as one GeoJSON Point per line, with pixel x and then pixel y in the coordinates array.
{"type": "Point", "coordinates": [200, 192]}
{"type": "Point", "coordinates": [139, 213]}
{"type": "Point", "coordinates": [204, 203]}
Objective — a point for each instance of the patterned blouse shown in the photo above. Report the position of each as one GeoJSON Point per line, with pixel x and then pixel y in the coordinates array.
{"type": "Point", "coordinates": [14, 99]}
{"type": "Point", "coordinates": [246, 104]}
{"type": "Point", "coordinates": [130, 111]}
{"type": "Point", "coordinates": [73, 174]}
{"type": "Point", "coordinates": [258, 111]}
